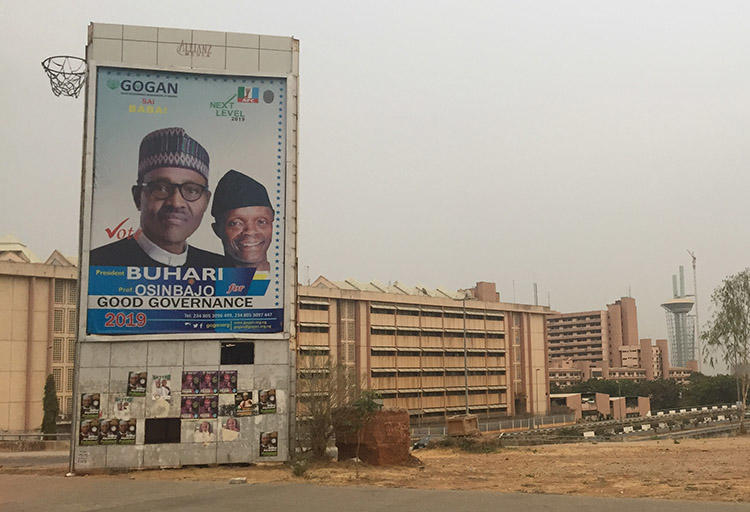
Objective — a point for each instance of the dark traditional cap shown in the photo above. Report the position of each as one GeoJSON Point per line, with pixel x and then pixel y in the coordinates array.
{"type": "Point", "coordinates": [235, 190]}
{"type": "Point", "coordinates": [171, 147]}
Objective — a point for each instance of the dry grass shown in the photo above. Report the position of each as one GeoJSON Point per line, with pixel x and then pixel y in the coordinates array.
{"type": "Point", "coordinates": [694, 469]}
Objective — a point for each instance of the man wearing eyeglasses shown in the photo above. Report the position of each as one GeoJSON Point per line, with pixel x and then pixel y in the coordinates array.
{"type": "Point", "coordinates": [171, 194]}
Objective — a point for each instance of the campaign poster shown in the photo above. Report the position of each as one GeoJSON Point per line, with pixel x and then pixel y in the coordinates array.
{"type": "Point", "coordinates": [269, 444]}
{"type": "Point", "coordinates": [204, 432]}
{"type": "Point", "coordinates": [208, 406]}
{"type": "Point", "coordinates": [228, 381]}
{"type": "Point", "coordinates": [122, 407]}
{"type": "Point", "coordinates": [267, 401]}
{"type": "Point", "coordinates": [161, 387]}
{"type": "Point", "coordinates": [137, 382]}
{"type": "Point", "coordinates": [88, 434]}
{"type": "Point", "coordinates": [109, 431]}
{"type": "Point", "coordinates": [190, 406]}
{"type": "Point", "coordinates": [227, 405]}
{"type": "Point", "coordinates": [90, 405]}
{"type": "Point", "coordinates": [188, 210]}
{"type": "Point", "coordinates": [126, 433]}
{"type": "Point", "coordinates": [230, 429]}
{"type": "Point", "coordinates": [245, 405]}
{"type": "Point", "coordinates": [191, 382]}
{"type": "Point", "coordinates": [209, 383]}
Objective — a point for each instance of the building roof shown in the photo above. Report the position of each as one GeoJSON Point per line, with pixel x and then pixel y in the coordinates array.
{"type": "Point", "coordinates": [12, 249]}
{"type": "Point", "coordinates": [396, 288]}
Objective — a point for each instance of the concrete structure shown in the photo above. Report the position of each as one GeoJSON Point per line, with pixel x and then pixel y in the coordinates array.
{"type": "Point", "coordinates": [38, 321]}
{"type": "Point", "coordinates": [603, 344]}
{"type": "Point", "coordinates": [680, 325]}
{"type": "Point", "coordinates": [622, 407]}
{"type": "Point", "coordinates": [408, 343]}
{"type": "Point", "coordinates": [117, 365]}
{"type": "Point", "coordinates": [595, 406]}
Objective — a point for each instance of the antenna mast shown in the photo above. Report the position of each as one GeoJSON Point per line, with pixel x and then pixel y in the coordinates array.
{"type": "Point", "coordinates": [697, 323]}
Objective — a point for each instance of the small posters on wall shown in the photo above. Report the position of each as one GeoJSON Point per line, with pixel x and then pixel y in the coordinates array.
{"type": "Point", "coordinates": [137, 382]}
{"type": "Point", "coordinates": [267, 401]}
{"type": "Point", "coordinates": [122, 407]}
{"type": "Point", "coordinates": [209, 383]}
{"type": "Point", "coordinates": [107, 431]}
{"type": "Point", "coordinates": [161, 387]}
{"type": "Point", "coordinates": [204, 406]}
{"type": "Point", "coordinates": [244, 402]}
{"type": "Point", "coordinates": [90, 406]}
{"type": "Point", "coordinates": [230, 429]}
{"type": "Point", "coordinates": [189, 406]}
{"type": "Point", "coordinates": [228, 381]}
{"type": "Point", "coordinates": [209, 406]}
{"type": "Point", "coordinates": [191, 383]}
{"type": "Point", "coordinates": [89, 432]}
{"type": "Point", "coordinates": [227, 407]}
{"type": "Point", "coordinates": [126, 434]}
{"type": "Point", "coordinates": [269, 444]}
{"type": "Point", "coordinates": [204, 432]}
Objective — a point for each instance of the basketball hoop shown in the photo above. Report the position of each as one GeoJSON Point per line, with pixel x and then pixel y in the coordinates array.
{"type": "Point", "coordinates": [66, 74]}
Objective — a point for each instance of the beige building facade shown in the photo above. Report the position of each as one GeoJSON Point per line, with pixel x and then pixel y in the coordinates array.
{"type": "Point", "coordinates": [605, 344]}
{"type": "Point", "coordinates": [408, 344]}
{"type": "Point", "coordinates": [37, 334]}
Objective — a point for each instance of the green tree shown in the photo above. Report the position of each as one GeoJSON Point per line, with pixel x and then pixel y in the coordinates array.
{"type": "Point", "coordinates": [728, 332]}
{"type": "Point", "coordinates": [710, 390]}
{"type": "Point", "coordinates": [49, 404]}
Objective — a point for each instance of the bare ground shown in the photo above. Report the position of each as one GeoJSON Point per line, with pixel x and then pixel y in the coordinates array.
{"type": "Point", "coordinates": [695, 469]}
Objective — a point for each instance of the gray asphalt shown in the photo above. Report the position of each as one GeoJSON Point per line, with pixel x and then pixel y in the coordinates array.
{"type": "Point", "coordinates": [44, 493]}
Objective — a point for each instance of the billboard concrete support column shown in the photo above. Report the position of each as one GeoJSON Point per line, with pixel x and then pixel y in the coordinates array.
{"type": "Point", "coordinates": [188, 251]}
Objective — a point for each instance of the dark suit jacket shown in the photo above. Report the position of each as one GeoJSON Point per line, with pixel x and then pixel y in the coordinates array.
{"type": "Point", "coordinates": [127, 253]}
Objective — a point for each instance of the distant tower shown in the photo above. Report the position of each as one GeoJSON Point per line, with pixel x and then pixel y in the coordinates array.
{"type": "Point", "coordinates": [680, 325]}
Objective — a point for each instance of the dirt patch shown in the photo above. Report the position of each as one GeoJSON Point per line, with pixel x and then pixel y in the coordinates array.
{"type": "Point", "coordinates": [694, 469]}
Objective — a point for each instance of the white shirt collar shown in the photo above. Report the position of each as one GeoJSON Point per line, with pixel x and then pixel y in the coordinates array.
{"type": "Point", "coordinates": [158, 254]}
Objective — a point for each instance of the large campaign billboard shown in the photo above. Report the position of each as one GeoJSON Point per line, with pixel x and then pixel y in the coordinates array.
{"type": "Point", "coordinates": [187, 223]}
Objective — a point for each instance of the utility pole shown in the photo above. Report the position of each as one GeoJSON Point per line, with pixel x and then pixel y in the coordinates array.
{"type": "Point", "coordinates": [697, 323]}
{"type": "Point", "coordinates": [466, 360]}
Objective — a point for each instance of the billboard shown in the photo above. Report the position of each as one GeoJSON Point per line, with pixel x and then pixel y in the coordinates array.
{"type": "Point", "coordinates": [187, 225]}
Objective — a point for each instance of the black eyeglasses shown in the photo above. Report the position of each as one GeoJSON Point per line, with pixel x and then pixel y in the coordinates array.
{"type": "Point", "coordinates": [164, 189]}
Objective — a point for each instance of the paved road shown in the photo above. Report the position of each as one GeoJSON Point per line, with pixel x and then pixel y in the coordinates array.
{"type": "Point", "coordinates": [44, 493]}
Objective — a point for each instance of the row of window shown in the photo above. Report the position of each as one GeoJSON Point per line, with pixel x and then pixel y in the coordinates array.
{"type": "Point", "coordinates": [431, 352]}
{"type": "Point", "coordinates": [425, 393]}
{"type": "Point", "coordinates": [313, 307]}
{"type": "Point", "coordinates": [391, 331]}
{"type": "Point", "coordinates": [416, 372]}
{"type": "Point", "coordinates": [431, 313]}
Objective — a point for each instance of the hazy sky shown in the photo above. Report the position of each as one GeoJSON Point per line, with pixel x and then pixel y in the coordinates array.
{"type": "Point", "coordinates": [581, 145]}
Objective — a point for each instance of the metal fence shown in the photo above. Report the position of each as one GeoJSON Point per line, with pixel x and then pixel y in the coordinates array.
{"type": "Point", "coordinates": [36, 436]}
{"type": "Point", "coordinates": [500, 425]}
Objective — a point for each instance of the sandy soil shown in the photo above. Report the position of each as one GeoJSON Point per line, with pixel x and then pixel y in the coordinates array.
{"type": "Point", "coordinates": [694, 469]}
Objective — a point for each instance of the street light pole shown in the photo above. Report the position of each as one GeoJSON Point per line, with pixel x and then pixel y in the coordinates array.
{"type": "Point", "coordinates": [466, 360]}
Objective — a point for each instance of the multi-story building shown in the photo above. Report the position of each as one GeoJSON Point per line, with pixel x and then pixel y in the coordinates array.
{"type": "Point", "coordinates": [37, 333]}
{"type": "Point", "coordinates": [408, 344]}
{"type": "Point", "coordinates": [604, 344]}
{"type": "Point", "coordinates": [580, 336]}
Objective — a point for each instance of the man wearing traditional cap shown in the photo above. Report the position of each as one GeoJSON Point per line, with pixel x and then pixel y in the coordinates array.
{"type": "Point", "coordinates": [172, 194]}
{"type": "Point", "coordinates": [243, 220]}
